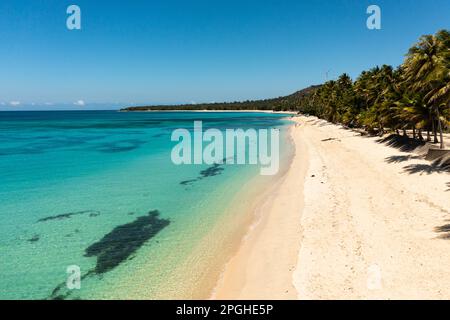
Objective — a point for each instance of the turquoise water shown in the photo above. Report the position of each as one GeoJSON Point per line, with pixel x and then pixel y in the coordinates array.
{"type": "Point", "coordinates": [98, 190]}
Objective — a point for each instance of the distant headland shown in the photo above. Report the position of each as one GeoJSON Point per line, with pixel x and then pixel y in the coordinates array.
{"type": "Point", "coordinates": [287, 103]}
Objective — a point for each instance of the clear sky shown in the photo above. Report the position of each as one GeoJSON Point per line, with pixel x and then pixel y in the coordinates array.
{"type": "Point", "coordinates": [183, 51]}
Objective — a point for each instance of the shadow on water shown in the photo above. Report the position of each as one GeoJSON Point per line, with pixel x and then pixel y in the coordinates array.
{"type": "Point", "coordinates": [119, 245]}
{"type": "Point", "coordinates": [401, 143]}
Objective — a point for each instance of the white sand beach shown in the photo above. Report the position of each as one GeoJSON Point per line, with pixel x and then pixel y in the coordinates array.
{"type": "Point", "coordinates": [353, 218]}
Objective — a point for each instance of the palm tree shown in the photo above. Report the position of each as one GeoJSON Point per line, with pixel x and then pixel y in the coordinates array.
{"type": "Point", "coordinates": [439, 95]}
{"type": "Point", "coordinates": [414, 96]}
{"type": "Point", "coordinates": [427, 70]}
{"type": "Point", "coordinates": [414, 113]}
{"type": "Point", "coordinates": [327, 99]}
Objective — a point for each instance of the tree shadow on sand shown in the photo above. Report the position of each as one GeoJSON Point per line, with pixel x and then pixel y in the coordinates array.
{"type": "Point", "coordinates": [401, 143]}
{"type": "Point", "coordinates": [398, 159]}
{"type": "Point", "coordinates": [436, 166]}
{"type": "Point", "coordinates": [319, 122]}
{"type": "Point", "coordinates": [445, 230]}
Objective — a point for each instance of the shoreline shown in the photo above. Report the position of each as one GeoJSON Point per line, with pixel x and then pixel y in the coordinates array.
{"type": "Point", "coordinates": [213, 111]}
{"type": "Point", "coordinates": [197, 275]}
{"type": "Point", "coordinates": [255, 271]}
{"type": "Point", "coordinates": [353, 218]}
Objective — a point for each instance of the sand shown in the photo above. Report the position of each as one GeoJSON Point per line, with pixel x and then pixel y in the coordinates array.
{"type": "Point", "coordinates": [267, 257]}
{"type": "Point", "coordinates": [346, 223]}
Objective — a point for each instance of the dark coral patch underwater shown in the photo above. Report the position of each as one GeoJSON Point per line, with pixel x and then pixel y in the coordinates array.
{"type": "Point", "coordinates": [211, 171]}
{"type": "Point", "coordinates": [117, 246]}
{"type": "Point", "coordinates": [62, 216]}
{"type": "Point", "coordinates": [119, 146]}
{"type": "Point", "coordinates": [34, 238]}
{"type": "Point", "coordinates": [124, 240]}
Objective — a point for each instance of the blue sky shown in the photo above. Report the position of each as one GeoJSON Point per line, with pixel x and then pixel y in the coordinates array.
{"type": "Point", "coordinates": [183, 51]}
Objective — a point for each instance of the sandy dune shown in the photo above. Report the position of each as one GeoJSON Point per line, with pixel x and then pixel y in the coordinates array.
{"type": "Point", "coordinates": [352, 219]}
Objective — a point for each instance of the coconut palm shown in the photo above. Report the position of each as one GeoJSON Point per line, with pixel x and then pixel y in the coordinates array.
{"type": "Point", "coordinates": [427, 71]}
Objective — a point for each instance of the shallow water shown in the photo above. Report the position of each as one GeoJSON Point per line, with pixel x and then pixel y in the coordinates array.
{"type": "Point", "coordinates": [98, 190]}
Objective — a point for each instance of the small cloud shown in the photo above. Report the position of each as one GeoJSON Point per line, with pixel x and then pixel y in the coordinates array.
{"type": "Point", "coordinates": [14, 103]}
{"type": "Point", "coordinates": [193, 102]}
{"type": "Point", "coordinates": [48, 103]}
{"type": "Point", "coordinates": [80, 103]}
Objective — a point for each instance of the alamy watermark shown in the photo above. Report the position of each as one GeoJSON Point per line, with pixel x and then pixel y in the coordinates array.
{"type": "Point", "coordinates": [74, 277]}
{"type": "Point", "coordinates": [374, 20]}
{"type": "Point", "coordinates": [73, 21]}
{"type": "Point", "coordinates": [235, 146]}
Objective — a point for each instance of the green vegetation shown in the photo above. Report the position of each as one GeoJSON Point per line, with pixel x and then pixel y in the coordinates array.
{"type": "Point", "coordinates": [415, 96]}
{"type": "Point", "coordinates": [289, 103]}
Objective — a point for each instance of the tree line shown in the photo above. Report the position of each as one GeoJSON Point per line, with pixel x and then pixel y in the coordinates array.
{"type": "Point", "coordinates": [292, 102]}
{"type": "Point", "coordinates": [414, 96]}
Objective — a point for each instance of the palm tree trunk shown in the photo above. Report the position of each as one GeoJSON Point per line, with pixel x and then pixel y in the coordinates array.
{"type": "Point", "coordinates": [430, 119]}
{"type": "Point", "coordinates": [404, 132]}
{"type": "Point", "coordinates": [420, 135]}
{"type": "Point", "coordinates": [434, 131]}
{"type": "Point", "coordinates": [414, 132]}
{"type": "Point", "coordinates": [441, 134]}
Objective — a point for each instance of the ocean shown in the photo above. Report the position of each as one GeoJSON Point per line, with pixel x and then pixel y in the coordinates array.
{"type": "Point", "coordinates": [94, 195]}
